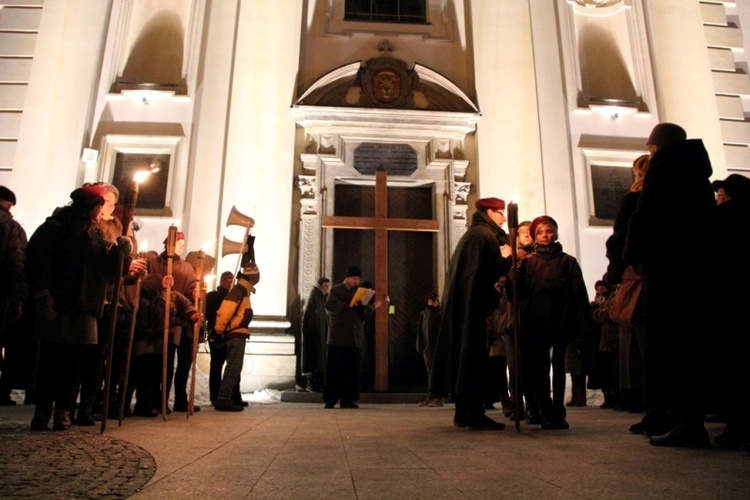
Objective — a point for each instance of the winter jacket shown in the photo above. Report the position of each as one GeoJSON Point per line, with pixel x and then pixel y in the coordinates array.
{"type": "Point", "coordinates": [556, 304]}
{"type": "Point", "coordinates": [235, 313]}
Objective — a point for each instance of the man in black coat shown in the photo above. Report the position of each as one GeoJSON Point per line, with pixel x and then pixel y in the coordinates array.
{"type": "Point", "coordinates": [314, 332]}
{"type": "Point", "coordinates": [677, 195]}
{"type": "Point", "coordinates": [13, 287]}
{"type": "Point", "coordinates": [461, 352]}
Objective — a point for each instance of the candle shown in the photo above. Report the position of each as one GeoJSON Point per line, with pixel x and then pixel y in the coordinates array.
{"type": "Point", "coordinates": [512, 215]}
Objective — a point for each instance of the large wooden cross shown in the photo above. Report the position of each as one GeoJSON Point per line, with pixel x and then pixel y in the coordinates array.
{"type": "Point", "coordinates": [381, 223]}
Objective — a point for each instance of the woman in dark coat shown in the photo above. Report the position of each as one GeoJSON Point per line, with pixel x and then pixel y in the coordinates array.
{"type": "Point", "coordinates": [68, 266]}
{"type": "Point", "coordinates": [461, 351]}
{"type": "Point", "coordinates": [631, 346]}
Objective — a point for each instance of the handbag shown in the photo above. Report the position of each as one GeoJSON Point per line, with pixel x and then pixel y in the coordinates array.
{"type": "Point", "coordinates": [627, 298]}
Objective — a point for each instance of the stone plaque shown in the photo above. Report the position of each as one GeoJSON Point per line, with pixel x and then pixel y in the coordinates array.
{"type": "Point", "coordinates": [609, 185]}
{"type": "Point", "coordinates": [397, 159]}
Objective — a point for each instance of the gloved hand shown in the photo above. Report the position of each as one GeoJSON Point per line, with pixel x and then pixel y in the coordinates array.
{"type": "Point", "coordinates": [125, 245]}
{"type": "Point", "coordinates": [44, 305]}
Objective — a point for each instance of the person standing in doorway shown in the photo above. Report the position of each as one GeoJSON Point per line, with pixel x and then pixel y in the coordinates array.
{"type": "Point", "coordinates": [344, 335]}
{"type": "Point", "coordinates": [314, 332]}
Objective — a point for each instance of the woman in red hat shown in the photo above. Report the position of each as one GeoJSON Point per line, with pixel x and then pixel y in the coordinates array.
{"type": "Point", "coordinates": [68, 266]}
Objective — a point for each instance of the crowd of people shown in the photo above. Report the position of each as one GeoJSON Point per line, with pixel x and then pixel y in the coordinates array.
{"type": "Point", "coordinates": [88, 323]}
{"type": "Point", "coordinates": [514, 320]}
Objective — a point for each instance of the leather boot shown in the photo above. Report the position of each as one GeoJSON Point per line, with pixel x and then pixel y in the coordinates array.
{"type": "Point", "coordinates": [62, 420]}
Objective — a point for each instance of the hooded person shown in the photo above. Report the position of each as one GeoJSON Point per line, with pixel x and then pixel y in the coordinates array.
{"type": "Point", "coordinates": [481, 257]}
{"type": "Point", "coordinates": [677, 177]}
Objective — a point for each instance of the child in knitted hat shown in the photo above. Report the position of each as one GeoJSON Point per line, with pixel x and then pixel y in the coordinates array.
{"type": "Point", "coordinates": [556, 314]}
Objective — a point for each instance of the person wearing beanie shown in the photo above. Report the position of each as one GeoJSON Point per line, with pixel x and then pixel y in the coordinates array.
{"type": "Point", "coordinates": [314, 333]}
{"type": "Point", "coordinates": [68, 267]}
{"type": "Point", "coordinates": [232, 323]}
{"type": "Point", "coordinates": [730, 297]}
{"type": "Point", "coordinates": [665, 134]}
{"type": "Point", "coordinates": [735, 187]}
{"type": "Point", "coordinates": [217, 348]}
{"type": "Point", "coordinates": [461, 359]}
{"type": "Point", "coordinates": [678, 176]}
{"type": "Point", "coordinates": [13, 291]}
{"type": "Point", "coordinates": [555, 314]}
{"type": "Point", "coordinates": [345, 334]}
{"type": "Point", "coordinates": [185, 282]}
{"type": "Point", "coordinates": [95, 357]}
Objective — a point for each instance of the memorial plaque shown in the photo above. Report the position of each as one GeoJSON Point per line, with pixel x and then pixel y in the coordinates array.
{"type": "Point", "coordinates": [397, 159]}
{"type": "Point", "coordinates": [609, 185]}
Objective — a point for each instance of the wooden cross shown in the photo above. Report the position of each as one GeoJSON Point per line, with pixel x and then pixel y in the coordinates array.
{"type": "Point", "coordinates": [381, 223]}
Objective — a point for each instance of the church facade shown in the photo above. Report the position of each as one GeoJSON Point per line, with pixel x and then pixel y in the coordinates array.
{"type": "Point", "coordinates": [273, 116]}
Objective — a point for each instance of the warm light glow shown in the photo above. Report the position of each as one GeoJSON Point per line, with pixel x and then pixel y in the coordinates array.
{"type": "Point", "coordinates": [143, 246]}
{"type": "Point", "coordinates": [208, 245]}
{"type": "Point", "coordinates": [141, 175]}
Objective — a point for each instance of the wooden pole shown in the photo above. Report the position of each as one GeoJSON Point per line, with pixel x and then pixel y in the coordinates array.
{"type": "Point", "coordinates": [196, 329]}
{"type": "Point", "coordinates": [514, 311]}
{"type": "Point", "coordinates": [128, 209]}
{"type": "Point", "coordinates": [129, 352]}
{"type": "Point", "coordinates": [171, 242]}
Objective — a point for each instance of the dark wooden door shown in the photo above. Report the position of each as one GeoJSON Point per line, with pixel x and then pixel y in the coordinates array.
{"type": "Point", "coordinates": [411, 275]}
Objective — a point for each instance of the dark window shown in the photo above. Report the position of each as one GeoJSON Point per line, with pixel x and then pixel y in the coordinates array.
{"type": "Point", "coordinates": [152, 193]}
{"type": "Point", "coordinates": [386, 11]}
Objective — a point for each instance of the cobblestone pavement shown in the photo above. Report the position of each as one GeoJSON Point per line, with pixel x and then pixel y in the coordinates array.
{"type": "Point", "coordinates": [79, 463]}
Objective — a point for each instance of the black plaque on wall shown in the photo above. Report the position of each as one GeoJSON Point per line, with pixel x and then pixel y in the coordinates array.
{"type": "Point", "coordinates": [609, 186]}
{"type": "Point", "coordinates": [397, 159]}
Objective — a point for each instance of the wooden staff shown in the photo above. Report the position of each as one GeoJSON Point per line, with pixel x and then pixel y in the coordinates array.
{"type": "Point", "coordinates": [171, 242]}
{"type": "Point", "coordinates": [128, 209]}
{"type": "Point", "coordinates": [515, 314]}
{"type": "Point", "coordinates": [196, 329]}
{"type": "Point", "coordinates": [129, 352]}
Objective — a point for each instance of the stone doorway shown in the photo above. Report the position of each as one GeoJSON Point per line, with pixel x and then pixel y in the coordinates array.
{"type": "Point", "coordinates": [411, 275]}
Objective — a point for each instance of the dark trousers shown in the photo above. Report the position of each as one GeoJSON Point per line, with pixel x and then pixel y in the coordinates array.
{"type": "Point", "coordinates": [58, 375]}
{"type": "Point", "coordinates": [218, 358]}
{"type": "Point", "coordinates": [342, 371]}
{"type": "Point", "coordinates": [145, 379]}
{"type": "Point", "coordinates": [235, 353]}
{"type": "Point", "coordinates": [551, 408]}
{"type": "Point", "coordinates": [179, 373]}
